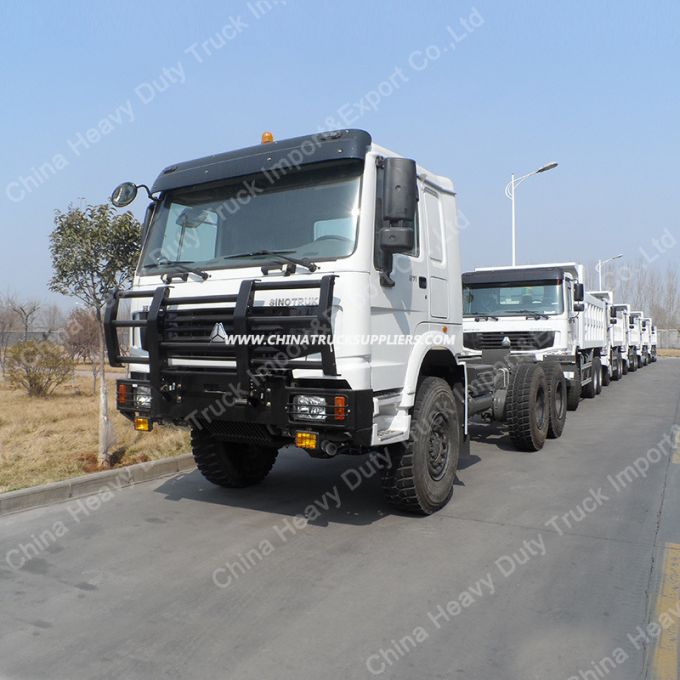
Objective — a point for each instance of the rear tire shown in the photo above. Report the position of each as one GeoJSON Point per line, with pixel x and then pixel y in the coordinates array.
{"type": "Point", "coordinates": [606, 375]}
{"type": "Point", "coordinates": [528, 407]}
{"type": "Point", "coordinates": [574, 390]}
{"type": "Point", "coordinates": [633, 363]}
{"type": "Point", "coordinates": [593, 388]}
{"type": "Point", "coordinates": [230, 465]}
{"type": "Point", "coordinates": [423, 469]}
{"type": "Point", "coordinates": [625, 366]}
{"type": "Point", "coordinates": [557, 396]}
{"type": "Point", "coordinates": [617, 364]}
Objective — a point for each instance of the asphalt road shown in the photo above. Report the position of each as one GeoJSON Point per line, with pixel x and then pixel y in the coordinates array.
{"type": "Point", "coordinates": [519, 577]}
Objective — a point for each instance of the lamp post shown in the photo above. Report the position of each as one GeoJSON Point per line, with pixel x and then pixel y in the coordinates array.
{"type": "Point", "coordinates": [510, 193]}
{"type": "Point", "coordinates": [601, 262]}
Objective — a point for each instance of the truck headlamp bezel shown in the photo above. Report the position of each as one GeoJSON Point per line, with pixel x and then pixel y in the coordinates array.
{"type": "Point", "coordinates": [310, 408]}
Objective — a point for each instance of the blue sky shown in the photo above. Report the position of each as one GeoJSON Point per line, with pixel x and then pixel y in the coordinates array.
{"type": "Point", "coordinates": [95, 93]}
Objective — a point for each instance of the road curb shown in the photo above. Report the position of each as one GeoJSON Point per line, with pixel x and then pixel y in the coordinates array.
{"type": "Point", "coordinates": [38, 496]}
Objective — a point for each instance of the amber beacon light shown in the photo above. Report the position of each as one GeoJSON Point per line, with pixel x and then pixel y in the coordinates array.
{"type": "Point", "coordinates": [267, 137]}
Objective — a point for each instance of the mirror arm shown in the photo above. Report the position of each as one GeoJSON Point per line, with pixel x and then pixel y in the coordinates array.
{"type": "Point", "coordinates": [155, 199]}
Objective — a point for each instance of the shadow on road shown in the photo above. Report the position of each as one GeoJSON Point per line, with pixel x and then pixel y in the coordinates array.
{"type": "Point", "coordinates": [491, 433]}
{"type": "Point", "coordinates": [344, 490]}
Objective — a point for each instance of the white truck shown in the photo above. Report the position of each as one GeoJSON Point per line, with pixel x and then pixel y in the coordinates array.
{"type": "Point", "coordinates": [620, 335]}
{"type": "Point", "coordinates": [617, 339]}
{"type": "Point", "coordinates": [647, 326]}
{"type": "Point", "coordinates": [543, 312]}
{"type": "Point", "coordinates": [653, 339]}
{"type": "Point", "coordinates": [635, 339]}
{"type": "Point", "coordinates": [308, 292]}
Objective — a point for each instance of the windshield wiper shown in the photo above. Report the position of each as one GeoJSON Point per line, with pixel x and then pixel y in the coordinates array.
{"type": "Point", "coordinates": [278, 254]}
{"type": "Point", "coordinates": [486, 317]}
{"type": "Point", "coordinates": [179, 264]}
{"type": "Point", "coordinates": [532, 315]}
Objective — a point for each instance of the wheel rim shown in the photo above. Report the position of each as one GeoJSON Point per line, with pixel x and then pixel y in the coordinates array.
{"type": "Point", "coordinates": [438, 447]}
{"type": "Point", "coordinates": [539, 411]}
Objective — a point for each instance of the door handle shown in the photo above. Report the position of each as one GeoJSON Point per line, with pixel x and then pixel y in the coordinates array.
{"type": "Point", "coordinates": [422, 282]}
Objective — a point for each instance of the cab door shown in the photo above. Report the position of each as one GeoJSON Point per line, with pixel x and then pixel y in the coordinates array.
{"type": "Point", "coordinates": [398, 309]}
{"type": "Point", "coordinates": [437, 257]}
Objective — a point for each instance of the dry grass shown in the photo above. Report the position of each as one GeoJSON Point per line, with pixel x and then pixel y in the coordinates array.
{"type": "Point", "coordinates": [45, 440]}
{"type": "Point", "coordinates": [668, 352]}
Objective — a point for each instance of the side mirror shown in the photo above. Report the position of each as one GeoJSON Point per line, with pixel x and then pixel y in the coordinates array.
{"type": "Point", "coordinates": [579, 292]}
{"type": "Point", "coordinates": [399, 205]}
{"type": "Point", "coordinates": [579, 306]}
{"type": "Point", "coordinates": [400, 195]}
{"type": "Point", "coordinates": [124, 194]}
{"type": "Point", "coordinates": [614, 322]}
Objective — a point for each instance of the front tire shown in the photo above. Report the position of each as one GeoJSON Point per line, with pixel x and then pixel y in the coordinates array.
{"type": "Point", "coordinates": [528, 407]}
{"type": "Point", "coordinates": [422, 472]}
{"type": "Point", "coordinates": [230, 465]}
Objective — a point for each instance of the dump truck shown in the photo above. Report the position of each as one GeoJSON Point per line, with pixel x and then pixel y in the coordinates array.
{"type": "Point", "coordinates": [635, 339]}
{"type": "Point", "coordinates": [647, 326]}
{"type": "Point", "coordinates": [541, 312]}
{"type": "Point", "coordinates": [620, 336]}
{"type": "Point", "coordinates": [617, 340]}
{"type": "Point", "coordinates": [307, 292]}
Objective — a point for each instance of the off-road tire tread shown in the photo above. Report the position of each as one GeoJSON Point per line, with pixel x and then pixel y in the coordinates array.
{"type": "Point", "coordinates": [398, 480]}
{"type": "Point", "coordinates": [230, 465]}
{"type": "Point", "coordinates": [518, 412]}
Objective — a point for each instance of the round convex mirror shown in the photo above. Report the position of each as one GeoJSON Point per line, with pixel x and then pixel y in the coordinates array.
{"type": "Point", "coordinates": [124, 194]}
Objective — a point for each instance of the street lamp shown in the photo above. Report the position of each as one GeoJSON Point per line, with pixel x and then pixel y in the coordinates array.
{"type": "Point", "coordinates": [601, 262]}
{"type": "Point", "coordinates": [510, 193]}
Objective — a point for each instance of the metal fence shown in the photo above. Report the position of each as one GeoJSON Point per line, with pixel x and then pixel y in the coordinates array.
{"type": "Point", "coordinates": [668, 338]}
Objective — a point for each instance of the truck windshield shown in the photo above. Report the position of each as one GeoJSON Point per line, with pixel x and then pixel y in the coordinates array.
{"type": "Point", "coordinates": [516, 299]}
{"type": "Point", "coordinates": [310, 214]}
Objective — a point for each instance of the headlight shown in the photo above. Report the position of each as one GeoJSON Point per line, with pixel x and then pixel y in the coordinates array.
{"type": "Point", "coordinates": [142, 397]}
{"type": "Point", "coordinates": [306, 407]}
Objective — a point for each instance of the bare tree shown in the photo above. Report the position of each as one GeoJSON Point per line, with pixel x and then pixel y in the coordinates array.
{"type": "Point", "coordinates": [27, 312]}
{"type": "Point", "coordinates": [650, 289]}
{"type": "Point", "coordinates": [52, 320]}
{"type": "Point", "coordinates": [8, 324]}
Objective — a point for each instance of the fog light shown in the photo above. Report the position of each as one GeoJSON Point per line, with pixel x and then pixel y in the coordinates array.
{"type": "Point", "coordinates": [306, 440]}
{"type": "Point", "coordinates": [307, 407]}
{"type": "Point", "coordinates": [142, 397]}
{"type": "Point", "coordinates": [142, 425]}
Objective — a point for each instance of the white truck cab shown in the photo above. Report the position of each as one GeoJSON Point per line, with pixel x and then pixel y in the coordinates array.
{"type": "Point", "coordinates": [540, 311]}
{"type": "Point", "coordinates": [308, 292]}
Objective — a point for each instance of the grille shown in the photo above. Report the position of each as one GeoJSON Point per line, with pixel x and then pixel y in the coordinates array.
{"type": "Point", "coordinates": [250, 433]}
{"type": "Point", "coordinates": [519, 340]}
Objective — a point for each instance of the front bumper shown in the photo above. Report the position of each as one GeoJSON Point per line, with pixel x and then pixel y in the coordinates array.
{"type": "Point", "coordinates": [213, 400]}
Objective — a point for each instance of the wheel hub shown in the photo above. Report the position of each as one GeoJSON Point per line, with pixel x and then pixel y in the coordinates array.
{"type": "Point", "coordinates": [438, 447]}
